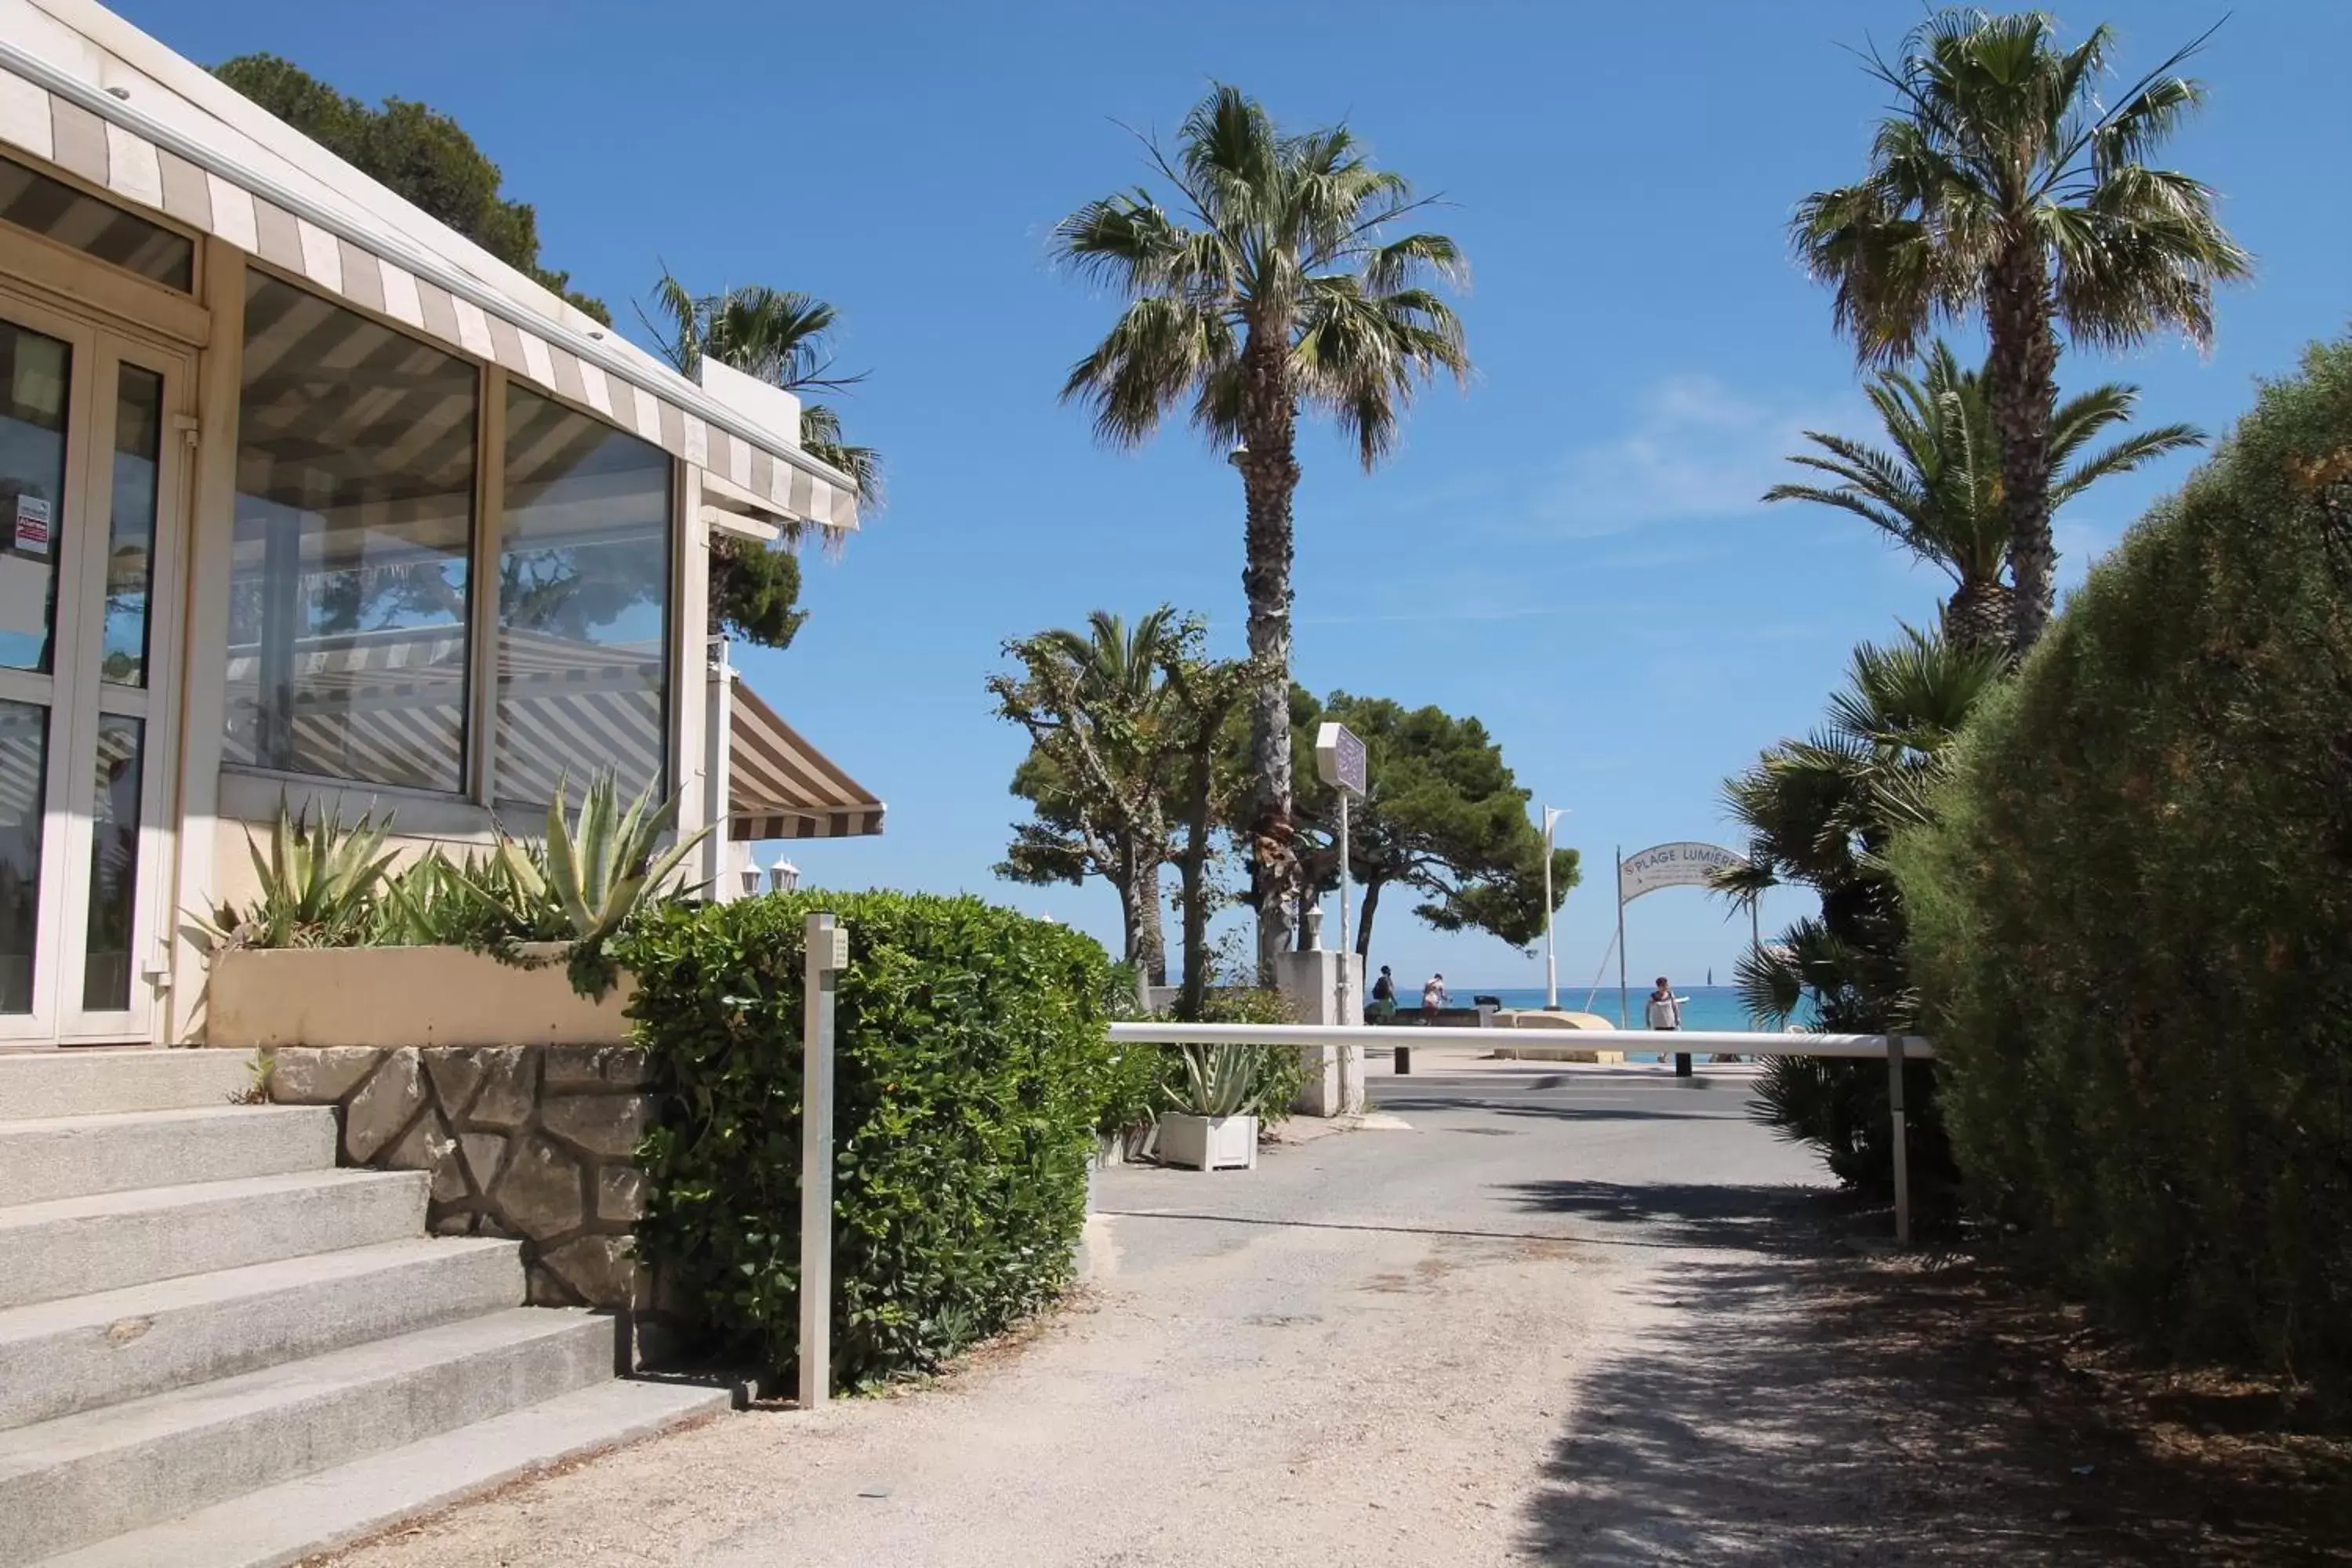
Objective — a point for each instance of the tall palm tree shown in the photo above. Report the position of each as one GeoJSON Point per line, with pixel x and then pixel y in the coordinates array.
{"type": "Point", "coordinates": [782, 338]}
{"type": "Point", "coordinates": [2003, 183]}
{"type": "Point", "coordinates": [1938, 492]}
{"type": "Point", "coordinates": [1272, 284]}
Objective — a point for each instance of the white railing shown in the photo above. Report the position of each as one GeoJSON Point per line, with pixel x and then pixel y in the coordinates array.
{"type": "Point", "coordinates": [1895, 1049]}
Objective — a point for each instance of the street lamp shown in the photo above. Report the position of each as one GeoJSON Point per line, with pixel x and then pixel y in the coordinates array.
{"type": "Point", "coordinates": [783, 876]}
{"type": "Point", "coordinates": [751, 874]}
{"type": "Point", "coordinates": [1552, 964]}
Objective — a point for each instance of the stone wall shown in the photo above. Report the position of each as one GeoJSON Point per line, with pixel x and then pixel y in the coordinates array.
{"type": "Point", "coordinates": [530, 1143]}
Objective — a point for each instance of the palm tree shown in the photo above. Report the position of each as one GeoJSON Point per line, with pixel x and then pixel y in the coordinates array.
{"type": "Point", "coordinates": [1819, 814]}
{"type": "Point", "coordinates": [2003, 183]}
{"type": "Point", "coordinates": [1272, 286]}
{"type": "Point", "coordinates": [1102, 799]}
{"type": "Point", "coordinates": [780, 336]}
{"type": "Point", "coordinates": [1937, 493]}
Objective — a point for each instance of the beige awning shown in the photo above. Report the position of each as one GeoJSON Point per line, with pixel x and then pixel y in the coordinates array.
{"type": "Point", "coordinates": [779, 786]}
{"type": "Point", "coordinates": [57, 117]}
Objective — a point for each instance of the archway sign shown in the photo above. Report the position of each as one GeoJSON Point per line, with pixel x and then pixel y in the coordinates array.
{"type": "Point", "coordinates": [1685, 863]}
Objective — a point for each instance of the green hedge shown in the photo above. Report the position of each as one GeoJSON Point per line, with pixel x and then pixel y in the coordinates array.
{"type": "Point", "coordinates": [2130, 922]}
{"type": "Point", "coordinates": [973, 1066]}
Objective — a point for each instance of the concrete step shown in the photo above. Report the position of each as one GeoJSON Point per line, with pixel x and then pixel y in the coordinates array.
{"type": "Point", "coordinates": [79, 1156]}
{"type": "Point", "coordinates": [78, 1247]}
{"type": "Point", "coordinates": [288, 1523]}
{"type": "Point", "coordinates": [86, 1082]}
{"type": "Point", "coordinates": [69, 1483]}
{"type": "Point", "coordinates": [88, 1351]}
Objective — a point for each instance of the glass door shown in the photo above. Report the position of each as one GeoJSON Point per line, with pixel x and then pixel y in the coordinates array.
{"type": "Point", "coordinates": [92, 455]}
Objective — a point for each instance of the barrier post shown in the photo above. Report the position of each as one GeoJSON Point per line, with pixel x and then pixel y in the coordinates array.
{"type": "Point", "coordinates": [826, 955]}
{"type": "Point", "coordinates": [1902, 1150]}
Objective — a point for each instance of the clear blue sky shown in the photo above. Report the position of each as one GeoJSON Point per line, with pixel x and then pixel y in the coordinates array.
{"type": "Point", "coordinates": [1572, 551]}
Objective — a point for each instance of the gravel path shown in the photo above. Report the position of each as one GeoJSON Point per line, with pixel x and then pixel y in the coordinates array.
{"type": "Point", "coordinates": [1552, 1317]}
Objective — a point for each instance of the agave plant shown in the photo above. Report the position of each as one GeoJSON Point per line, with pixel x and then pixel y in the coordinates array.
{"type": "Point", "coordinates": [437, 902]}
{"type": "Point", "coordinates": [318, 882]}
{"type": "Point", "coordinates": [1218, 1078]}
{"type": "Point", "coordinates": [584, 879]}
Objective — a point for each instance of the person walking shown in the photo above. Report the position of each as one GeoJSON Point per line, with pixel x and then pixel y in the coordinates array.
{"type": "Point", "coordinates": [1433, 996]}
{"type": "Point", "coordinates": [1664, 1013]}
{"type": "Point", "coordinates": [1383, 1006]}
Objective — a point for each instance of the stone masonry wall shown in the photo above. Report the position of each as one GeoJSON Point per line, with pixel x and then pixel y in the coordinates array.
{"type": "Point", "coordinates": [530, 1143]}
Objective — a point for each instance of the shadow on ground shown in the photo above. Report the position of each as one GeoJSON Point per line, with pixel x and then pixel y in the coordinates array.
{"type": "Point", "coordinates": [1808, 1404]}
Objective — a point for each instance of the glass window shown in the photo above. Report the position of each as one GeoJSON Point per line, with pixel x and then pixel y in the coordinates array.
{"type": "Point", "coordinates": [30, 199]}
{"type": "Point", "coordinates": [354, 528]}
{"type": "Point", "coordinates": [131, 542]}
{"type": "Point", "coordinates": [583, 604]}
{"type": "Point", "coordinates": [34, 373]}
{"type": "Point", "coordinates": [24, 774]}
{"type": "Point", "coordinates": [113, 865]}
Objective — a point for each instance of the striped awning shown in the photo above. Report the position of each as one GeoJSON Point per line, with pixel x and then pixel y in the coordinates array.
{"type": "Point", "coordinates": [59, 119]}
{"type": "Point", "coordinates": [389, 707]}
{"type": "Point", "coordinates": [779, 786]}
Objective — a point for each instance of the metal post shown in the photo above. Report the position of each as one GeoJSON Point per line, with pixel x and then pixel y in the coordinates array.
{"type": "Point", "coordinates": [1902, 1150]}
{"type": "Point", "coordinates": [1346, 948]}
{"type": "Point", "coordinates": [1623, 1012]}
{"type": "Point", "coordinates": [820, 974]}
{"type": "Point", "coordinates": [1402, 1063]}
{"type": "Point", "coordinates": [1551, 966]}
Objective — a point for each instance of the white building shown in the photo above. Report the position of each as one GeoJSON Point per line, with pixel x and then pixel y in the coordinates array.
{"type": "Point", "coordinates": [304, 496]}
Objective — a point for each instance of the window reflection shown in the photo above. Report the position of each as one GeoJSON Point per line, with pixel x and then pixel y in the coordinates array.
{"type": "Point", "coordinates": [354, 525]}
{"type": "Point", "coordinates": [30, 199]}
{"type": "Point", "coordinates": [131, 542]}
{"type": "Point", "coordinates": [24, 773]}
{"type": "Point", "coordinates": [583, 604]}
{"type": "Point", "coordinates": [34, 373]}
{"type": "Point", "coordinates": [113, 866]}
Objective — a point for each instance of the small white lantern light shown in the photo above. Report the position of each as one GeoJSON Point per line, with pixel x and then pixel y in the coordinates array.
{"type": "Point", "coordinates": [751, 874]}
{"type": "Point", "coordinates": [783, 876]}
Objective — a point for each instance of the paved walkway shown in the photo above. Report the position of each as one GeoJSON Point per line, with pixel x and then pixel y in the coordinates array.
{"type": "Point", "coordinates": [1559, 1317]}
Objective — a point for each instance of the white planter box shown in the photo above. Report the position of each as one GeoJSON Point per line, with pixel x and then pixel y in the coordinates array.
{"type": "Point", "coordinates": [400, 997]}
{"type": "Point", "coordinates": [1210, 1142]}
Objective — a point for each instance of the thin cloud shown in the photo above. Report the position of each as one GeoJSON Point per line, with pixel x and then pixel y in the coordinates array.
{"type": "Point", "coordinates": [1694, 449]}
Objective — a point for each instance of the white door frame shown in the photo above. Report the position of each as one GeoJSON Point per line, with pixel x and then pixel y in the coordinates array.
{"type": "Point", "coordinates": [77, 698]}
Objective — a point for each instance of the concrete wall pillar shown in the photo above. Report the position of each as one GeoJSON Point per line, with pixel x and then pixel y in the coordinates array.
{"type": "Point", "coordinates": [1335, 1075]}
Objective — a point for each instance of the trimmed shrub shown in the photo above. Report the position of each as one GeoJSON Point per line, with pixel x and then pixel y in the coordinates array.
{"type": "Point", "coordinates": [2130, 918]}
{"type": "Point", "coordinates": [973, 1066]}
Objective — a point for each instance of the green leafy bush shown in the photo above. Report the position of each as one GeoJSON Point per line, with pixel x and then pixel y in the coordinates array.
{"type": "Point", "coordinates": [2129, 915]}
{"type": "Point", "coordinates": [974, 1065]}
{"type": "Point", "coordinates": [1281, 1073]}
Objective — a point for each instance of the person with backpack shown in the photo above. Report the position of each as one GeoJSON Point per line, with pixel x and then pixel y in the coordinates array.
{"type": "Point", "coordinates": [1383, 1006]}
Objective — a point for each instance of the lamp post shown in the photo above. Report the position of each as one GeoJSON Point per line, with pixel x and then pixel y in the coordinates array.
{"type": "Point", "coordinates": [1552, 964]}
{"type": "Point", "coordinates": [782, 877]}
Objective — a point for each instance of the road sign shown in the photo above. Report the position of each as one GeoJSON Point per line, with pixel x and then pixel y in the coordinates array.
{"type": "Point", "coordinates": [1340, 758]}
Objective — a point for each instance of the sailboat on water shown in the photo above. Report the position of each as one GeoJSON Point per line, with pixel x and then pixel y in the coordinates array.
{"type": "Point", "coordinates": [1710, 979]}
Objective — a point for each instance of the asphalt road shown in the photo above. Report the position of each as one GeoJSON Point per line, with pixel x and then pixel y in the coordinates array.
{"type": "Point", "coordinates": [1529, 1316]}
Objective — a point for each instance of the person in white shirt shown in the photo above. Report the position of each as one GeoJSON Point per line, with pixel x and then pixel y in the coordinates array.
{"type": "Point", "coordinates": [1666, 1013]}
{"type": "Point", "coordinates": [1433, 994]}
{"type": "Point", "coordinates": [1665, 1008]}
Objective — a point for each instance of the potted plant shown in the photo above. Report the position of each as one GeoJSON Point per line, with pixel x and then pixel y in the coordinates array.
{"type": "Point", "coordinates": [1212, 1132]}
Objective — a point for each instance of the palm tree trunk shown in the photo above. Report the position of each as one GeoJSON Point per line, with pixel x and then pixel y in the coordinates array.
{"type": "Point", "coordinates": [2019, 383]}
{"type": "Point", "coordinates": [1270, 468]}
{"type": "Point", "coordinates": [1147, 937]}
{"type": "Point", "coordinates": [1193, 884]}
{"type": "Point", "coordinates": [1981, 616]}
{"type": "Point", "coordinates": [1364, 922]}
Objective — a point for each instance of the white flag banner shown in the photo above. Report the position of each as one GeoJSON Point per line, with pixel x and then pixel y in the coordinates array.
{"type": "Point", "coordinates": [1681, 865]}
